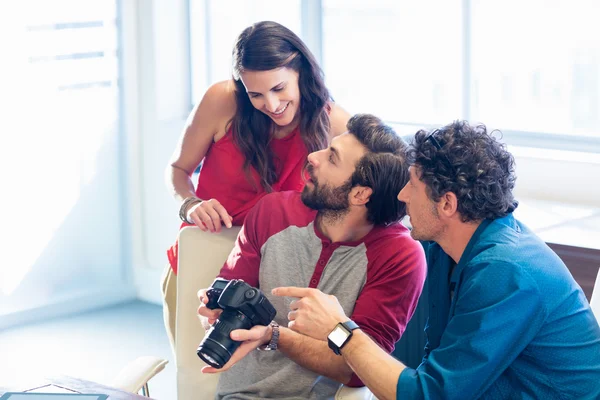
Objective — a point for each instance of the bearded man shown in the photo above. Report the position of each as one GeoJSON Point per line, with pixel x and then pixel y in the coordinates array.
{"type": "Point", "coordinates": [342, 235]}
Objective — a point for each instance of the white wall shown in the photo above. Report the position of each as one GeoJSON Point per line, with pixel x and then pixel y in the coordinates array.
{"type": "Point", "coordinates": [61, 166]}
{"type": "Point", "coordinates": [560, 176]}
{"type": "Point", "coordinates": [63, 232]}
{"type": "Point", "coordinates": [157, 86]}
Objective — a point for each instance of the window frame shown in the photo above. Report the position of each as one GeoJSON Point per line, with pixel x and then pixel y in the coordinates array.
{"type": "Point", "coordinates": [312, 32]}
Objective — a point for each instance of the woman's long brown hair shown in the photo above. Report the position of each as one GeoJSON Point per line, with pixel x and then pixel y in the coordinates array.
{"type": "Point", "coordinates": [265, 46]}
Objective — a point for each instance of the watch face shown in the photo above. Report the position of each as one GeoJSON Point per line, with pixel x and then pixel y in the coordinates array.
{"type": "Point", "coordinates": [339, 335]}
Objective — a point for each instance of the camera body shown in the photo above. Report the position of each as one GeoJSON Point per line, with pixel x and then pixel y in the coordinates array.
{"type": "Point", "coordinates": [243, 307]}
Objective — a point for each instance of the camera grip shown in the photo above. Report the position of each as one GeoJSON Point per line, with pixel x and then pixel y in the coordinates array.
{"type": "Point", "coordinates": [213, 297]}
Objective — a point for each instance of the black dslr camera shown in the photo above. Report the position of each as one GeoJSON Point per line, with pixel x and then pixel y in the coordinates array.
{"type": "Point", "coordinates": [243, 307]}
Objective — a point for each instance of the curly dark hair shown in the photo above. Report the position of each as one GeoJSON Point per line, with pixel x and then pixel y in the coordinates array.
{"type": "Point", "coordinates": [469, 162]}
{"type": "Point", "coordinates": [384, 168]}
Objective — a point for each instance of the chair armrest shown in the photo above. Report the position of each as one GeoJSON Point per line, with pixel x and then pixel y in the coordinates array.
{"type": "Point", "coordinates": [354, 393]}
{"type": "Point", "coordinates": [137, 373]}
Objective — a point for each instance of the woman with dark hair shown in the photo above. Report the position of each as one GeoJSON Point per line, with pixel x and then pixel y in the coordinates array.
{"type": "Point", "coordinates": [252, 134]}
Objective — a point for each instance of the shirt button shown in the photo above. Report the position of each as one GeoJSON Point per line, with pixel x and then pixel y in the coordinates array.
{"type": "Point", "coordinates": [321, 262]}
{"type": "Point", "coordinates": [314, 281]}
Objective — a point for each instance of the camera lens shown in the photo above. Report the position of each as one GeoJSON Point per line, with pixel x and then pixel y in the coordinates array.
{"type": "Point", "coordinates": [213, 353]}
{"type": "Point", "coordinates": [250, 293]}
{"type": "Point", "coordinates": [217, 346]}
{"type": "Point", "coordinates": [210, 360]}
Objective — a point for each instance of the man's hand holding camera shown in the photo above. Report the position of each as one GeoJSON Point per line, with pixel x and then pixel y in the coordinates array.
{"type": "Point", "coordinates": [236, 306]}
{"type": "Point", "coordinates": [206, 315]}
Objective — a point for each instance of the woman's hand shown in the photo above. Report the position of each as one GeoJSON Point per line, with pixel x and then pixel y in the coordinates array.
{"type": "Point", "coordinates": [209, 215]}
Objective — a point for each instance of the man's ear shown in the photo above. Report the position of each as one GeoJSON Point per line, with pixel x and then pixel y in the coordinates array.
{"type": "Point", "coordinates": [448, 204]}
{"type": "Point", "coordinates": [360, 195]}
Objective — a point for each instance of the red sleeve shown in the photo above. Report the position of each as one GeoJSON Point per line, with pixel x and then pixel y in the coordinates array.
{"type": "Point", "coordinates": [269, 216]}
{"type": "Point", "coordinates": [244, 260]}
{"type": "Point", "coordinates": [391, 293]}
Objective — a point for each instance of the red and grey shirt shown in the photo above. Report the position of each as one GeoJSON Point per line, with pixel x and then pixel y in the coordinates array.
{"type": "Point", "coordinates": [377, 280]}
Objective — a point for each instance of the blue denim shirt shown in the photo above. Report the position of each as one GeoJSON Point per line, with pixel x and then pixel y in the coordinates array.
{"type": "Point", "coordinates": [509, 323]}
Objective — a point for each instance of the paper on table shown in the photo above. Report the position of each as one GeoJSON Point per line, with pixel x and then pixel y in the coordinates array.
{"type": "Point", "coordinates": [51, 389]}
{"type": "Point", "coordinates": [52, 396]}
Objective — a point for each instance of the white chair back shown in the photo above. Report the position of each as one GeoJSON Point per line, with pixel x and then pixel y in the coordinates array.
{"type": "Point", "coordinates": [201, 256]}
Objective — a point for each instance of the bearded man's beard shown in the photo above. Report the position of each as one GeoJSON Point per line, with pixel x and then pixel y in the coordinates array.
{"type": "Point", "coordinates": [331, 203]}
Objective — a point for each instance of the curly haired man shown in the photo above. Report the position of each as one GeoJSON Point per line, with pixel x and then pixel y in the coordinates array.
{"type": "Point", "coordinates": [506, 318]}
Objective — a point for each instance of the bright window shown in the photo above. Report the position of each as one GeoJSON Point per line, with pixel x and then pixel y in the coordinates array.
{"type": "Point", "coordinates": [395, 58]}
{"type": "Point", "coordinates": [214, 28]}
{"type": "Point", "coordinates": [531, 69]}
{"type": "Point", "coordinates": [536, 65]}
{"type": "Point", "coordinates": [59, 85]}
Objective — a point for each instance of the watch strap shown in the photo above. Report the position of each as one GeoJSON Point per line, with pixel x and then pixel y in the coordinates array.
{"type": "Point", "coordinates": [350, 325]}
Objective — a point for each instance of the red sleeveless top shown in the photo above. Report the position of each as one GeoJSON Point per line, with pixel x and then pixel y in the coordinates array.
{"type": "Point", "coordinates": [222, 177]}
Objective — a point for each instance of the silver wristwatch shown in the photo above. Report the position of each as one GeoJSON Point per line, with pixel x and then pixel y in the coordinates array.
{"type": "Point", "coordinates": [272, 345]}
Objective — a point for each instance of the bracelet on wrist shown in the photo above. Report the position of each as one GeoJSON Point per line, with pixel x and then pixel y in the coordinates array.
{"type": "Point", "coordinates": [184, 207]}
